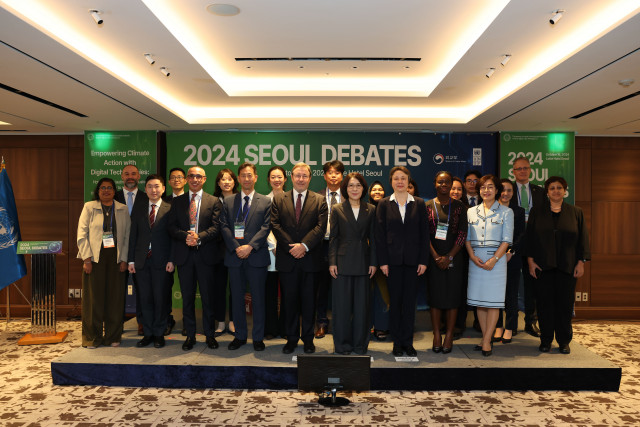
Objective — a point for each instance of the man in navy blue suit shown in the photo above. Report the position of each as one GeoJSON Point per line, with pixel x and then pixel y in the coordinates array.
{"type": "Point", "coordinates": [245, 223]}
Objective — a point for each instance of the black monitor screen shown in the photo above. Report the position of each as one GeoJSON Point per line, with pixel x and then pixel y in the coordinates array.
{"type": "Point", "coordinates": [317, 371]}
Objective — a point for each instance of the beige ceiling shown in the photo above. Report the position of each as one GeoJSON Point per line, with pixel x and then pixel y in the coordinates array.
{"type": "Point", "coordinates": [53, 51]}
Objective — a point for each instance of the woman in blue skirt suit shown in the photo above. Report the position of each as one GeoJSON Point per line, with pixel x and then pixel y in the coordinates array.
{"type": "Point", "coordinates": [489, 234]}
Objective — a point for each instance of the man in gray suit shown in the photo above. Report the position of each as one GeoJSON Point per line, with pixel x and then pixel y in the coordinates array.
{"type": "Point", "coordinates": [150, 258]}
{"type": "Point", "coordinates": [245, 223]}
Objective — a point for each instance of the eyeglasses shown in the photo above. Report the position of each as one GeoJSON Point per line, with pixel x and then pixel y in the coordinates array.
{"type": "Point", "coordinates": [195, 176]}
{"type": "Point", "coordinates": [176, 178]}
{"type": "Point", "coordinates": [104, 188]}
{"type": "Point", "coordinates": [354, 186]}
{"type": "Point", "coordinates": [522, 168]}
{"type": "Point", "coordinates": [301, 176]}
{"type": "Point", "coordinates": [471, 181]}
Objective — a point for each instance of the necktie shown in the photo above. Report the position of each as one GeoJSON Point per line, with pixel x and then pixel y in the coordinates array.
{"type": "Point", "coordinates": [524, 198]}
{"type": "Point", "coordinates": [130, 201]}
{"type": "Point", "coordinates": [152, 215]}
{"type": "Point", "coordinates": [193, 210]}
{"type": "Point", "coordinates": [298, 208]}
{"type": "Point", "coordinates": [245, 209]}
{"type": "Point", "coordinates": [332, 201]}
{"type": "Point", "coordinates": [472, 202]}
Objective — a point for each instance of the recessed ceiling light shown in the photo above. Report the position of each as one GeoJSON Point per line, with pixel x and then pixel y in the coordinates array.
{"type": "Point", "coordinates": [223, 9]}
{"type": "Point", "coordinates": [4, 123]}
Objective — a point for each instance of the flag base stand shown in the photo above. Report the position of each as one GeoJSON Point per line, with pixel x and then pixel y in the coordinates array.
{"type": "Point", "coordinates": [30, 339]}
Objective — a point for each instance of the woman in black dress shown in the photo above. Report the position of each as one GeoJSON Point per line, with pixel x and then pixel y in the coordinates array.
{"type": "Point", "coordinates": [448, 232]}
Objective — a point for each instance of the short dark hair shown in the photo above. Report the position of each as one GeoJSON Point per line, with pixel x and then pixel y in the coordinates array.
{"type": "Point", "coordinates": [281, 169]}
{"type": "Point", "coordinates": [248, 165]}
{"type": "Point", "coordinates": [553, 179]}
{"type": "Point", "coordinates": [435, 178]}
{"type": "Point", "coordinates": [184, 174]}
{"type": "Point", "coordinates": [401, 169]}
{"type": "Point", "coordinates": [416, 190]}
{"type": "Point", "coordinates": [218, 191]}
{"type": "Point", "coordinates": [336, 164]}
{"type": "Point", "coordinates": [96, 196]}
{"type": "Point", "coordinates": [345, 184]}
{"type": "Point", "coordinates": [472, 172]}
{"type": "Point", "coordinates": [496, 183]}
{"type": "Point", "coordinates": [154, 176]}
{"type": "Point", "coordinates": [373, 184]}
{"type": "Point", "coordinates": [507, 181]}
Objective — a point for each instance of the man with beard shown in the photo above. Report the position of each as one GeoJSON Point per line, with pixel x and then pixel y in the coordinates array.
{"type": "Point", "coordinates": [130, 196]}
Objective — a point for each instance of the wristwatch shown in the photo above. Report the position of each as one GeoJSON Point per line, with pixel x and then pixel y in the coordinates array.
{"type": "Point", "coordinates": [450, 258]}
{"type": "Point", "coordinates": [497, 259]}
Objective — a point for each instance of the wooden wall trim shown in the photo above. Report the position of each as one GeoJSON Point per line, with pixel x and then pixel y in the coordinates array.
{"type": "Point", "coordinates": [607, 313]}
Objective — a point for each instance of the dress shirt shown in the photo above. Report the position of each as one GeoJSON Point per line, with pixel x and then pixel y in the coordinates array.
{"type": "Point", "coordinates": [198, 203]}
{"type": "Point", "coordinates": [402, 208]}
{"type": "Point", "coordinates": [295, 200]}
{"type": "Point", "coordinates": [338, 200]}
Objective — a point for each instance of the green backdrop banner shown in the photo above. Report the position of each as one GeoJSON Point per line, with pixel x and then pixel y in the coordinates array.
{"type": "Point", "coordinates": [550, 154]}
{"type": "Point", "coordinates": [106, 153]}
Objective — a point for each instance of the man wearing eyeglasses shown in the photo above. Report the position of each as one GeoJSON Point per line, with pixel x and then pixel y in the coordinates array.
{"type": "Point", "coordinates": [527, 195]}
{"type": "Point", "coordinates": [299, 222]}
{"type": "Point", "coordinates": [194, 221]}
{"type": "Point", "coordinates": [470, 180]}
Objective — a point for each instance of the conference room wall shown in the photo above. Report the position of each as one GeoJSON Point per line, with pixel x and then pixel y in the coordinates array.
{"type": "Point", "coordinates": [47, 171]}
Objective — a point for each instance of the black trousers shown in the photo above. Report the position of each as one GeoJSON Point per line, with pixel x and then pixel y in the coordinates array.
{"type": "Point", "coordinates": [351, 313]}
{"type": "Point", "coordinates": [324, 287]}
{"type": "Point", "coordinates": [152, 285]}
{"type": "Point", "coordinates": [221, 273]}
{"type": "Point", "coordinates": [195, 273]}
{"type": "Point", "coordinates": [403, 289]}
{"type": "Point", "coordinates": [299, 291]}
{"type": "Point", "coordinates": [273, 323]}
{"type": "Point", "coordinates": [529, 294]}
{"type": "Point", "coordinates": [555, 291]}
{"type": "Point", "coordinates": [510, 301]}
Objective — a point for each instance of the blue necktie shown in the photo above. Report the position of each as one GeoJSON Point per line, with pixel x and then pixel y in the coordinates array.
{"type": "Point", "coordinates": [472, 202]}
{"type": "Point", "coordinates": [130, 202]}
{"type": "Point", "coordinates": [245, 209]}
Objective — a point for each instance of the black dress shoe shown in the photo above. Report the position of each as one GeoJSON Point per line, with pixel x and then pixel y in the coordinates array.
{"type": "Point", "coordinates": [411, 352]}
{"type": "Point", "coordinates": [545, 348]}
{"type": "Point", "coordinates": [397, 351]}
{"type": "Point", "coordinates": [381, 335]}
{"type": "Point", "coordinates": [144, 341]}
{"type": "Point", "coordinates": [532, 329]}
{"type": "Point", "coordinates": [158, 342]}
{"type": "Point", "coordinates": [258, 345]}
{"type": "Point", "coordinates": [189, 343]}
{"type": "Point", "coordinates": [236, 344]}
{"type": "Point", "coordinates": [212, 343]}
{"type": "Point", "coordinates": [321, 331]}
{"type": "Point", "coordinates": [564, 349]}
{"type": "Point", "coordinates": [170, 324]}
{"type": "Point", "coordinates": [309, 348]}
{"type": "Point", "coordinates": [289, 347]}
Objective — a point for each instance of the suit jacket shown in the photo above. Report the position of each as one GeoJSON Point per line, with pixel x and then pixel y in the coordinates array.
{"type": "Point", "coordinates": [256, 229]}
{"type": "Point", "coordinates": [208, 227]}
{"type": "Point", "coordinates": [558, 246]}
{"type": "Point", "coordinates": [141, 199]}
{"type": "Point", "coordinates": [537, 195]}
{"type": "Point", "coordinates": [517, 246]}
{"type": "Point", "coordinates": [142, 235]}
{"type": "Point", "coordinates": [352, 242]}
{"type": "Point", "coordinates": [310, 230]}
{"type": "Point", "coordinates": [399, 243]}
{"type": "Point", "coordinates": [90, 231]}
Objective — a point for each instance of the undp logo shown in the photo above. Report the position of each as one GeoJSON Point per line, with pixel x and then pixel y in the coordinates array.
{"type": "Point", "coordinates": [438, 159]}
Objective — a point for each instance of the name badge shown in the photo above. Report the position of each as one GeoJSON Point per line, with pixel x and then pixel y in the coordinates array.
{"type": "Point", "coordinates": [238, 230]}
{"type": "Point", "coordinates": [107, 240]}
{"type": "Point", "coordinates": [192, 227]}
{"type": "Point", "coordinates": [441, 231]}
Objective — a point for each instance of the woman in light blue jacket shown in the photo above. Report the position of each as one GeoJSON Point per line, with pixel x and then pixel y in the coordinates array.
{"type": "Point", "coordinates": [489, 235]}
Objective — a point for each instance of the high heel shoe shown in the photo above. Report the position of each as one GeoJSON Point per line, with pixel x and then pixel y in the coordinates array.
{"type": "Point", "coordinates": [446, 350]}
{"type": "Point", "coordinates": [436, 349]}
{"type": "Point", "coordinates": [487, 353]}
{"type": "Point", "coordinates": [496, 339]}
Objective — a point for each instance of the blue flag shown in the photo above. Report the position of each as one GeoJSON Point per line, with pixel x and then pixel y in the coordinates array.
{"type": "Point", "coordinates": [12, 265]}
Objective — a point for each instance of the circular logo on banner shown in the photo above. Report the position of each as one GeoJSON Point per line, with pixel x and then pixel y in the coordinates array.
{"type": "Point", "coordinates": [8, 237]}
{"type": "Point", "coordinates": [438, 158]}
{"type": "Point", "coordinates": [507, 137]}
{"type": "Point", "coordinates": [55, 247]}
{"type": "Point", "coordinates": [90, 137]}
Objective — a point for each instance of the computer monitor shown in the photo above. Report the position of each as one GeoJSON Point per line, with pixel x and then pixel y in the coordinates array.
{"type": "Point", "coordinates": [327, 374]}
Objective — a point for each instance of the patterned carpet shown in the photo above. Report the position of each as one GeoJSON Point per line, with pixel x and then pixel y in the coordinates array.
{"type": "Point", "coordinates": [28, 397]}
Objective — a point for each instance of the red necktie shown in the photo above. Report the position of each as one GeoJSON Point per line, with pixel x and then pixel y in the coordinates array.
{"type": "Point", "coordinates": [193, 210]}
{"type": "Point", "coordinates": [152, 219]}
{"type": "Point", "coordinates": [298, 208]}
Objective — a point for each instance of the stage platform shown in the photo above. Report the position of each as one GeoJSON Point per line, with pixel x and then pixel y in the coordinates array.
{"type": "Point", "coordinates": [515, 366]}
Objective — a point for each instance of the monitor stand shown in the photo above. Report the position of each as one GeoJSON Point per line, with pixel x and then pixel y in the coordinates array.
{"type": "Point", "coordinates": [328, 397]}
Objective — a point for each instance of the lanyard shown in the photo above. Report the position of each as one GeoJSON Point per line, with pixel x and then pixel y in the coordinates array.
{"type": "Point", "coordinates": [436, 210]}
{"type": "Point", "coordinates": [240, 210]}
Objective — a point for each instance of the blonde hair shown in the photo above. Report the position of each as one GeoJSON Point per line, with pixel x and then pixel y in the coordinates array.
{"type": "Point", "coordinates": [302, 165]}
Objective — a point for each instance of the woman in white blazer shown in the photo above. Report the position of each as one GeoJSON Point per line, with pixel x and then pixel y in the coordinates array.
{"type": "Point", "coordinates": [103, 246]}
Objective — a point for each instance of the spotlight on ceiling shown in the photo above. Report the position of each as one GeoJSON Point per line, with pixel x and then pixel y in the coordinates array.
{"type": "Point", "coordinates": [490, 72]}
{"type": "Point", "coordinates": [505, 58]}
{"type": "Point", "coordinates": [557, 15]}
{"type": "Point", "coordinates": [95, 14]}
{"type": "Point", "coordinates": [164, 71]}
{"type": "Point", "coordinates": [149, 59]}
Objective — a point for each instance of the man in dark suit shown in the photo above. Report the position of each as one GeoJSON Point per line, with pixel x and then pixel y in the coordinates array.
{"type": "Point", "coordinates": [527, 196]}
{"type": "Point", "coordinates": [299, 222]}
{"type": "Point", "coordinates": [150, 259]}
{"type": "Point", "coordinates": [177, 181]}
{"type": "Point", "coordinates": [333, 174]}
{"type": "Point", "coordinates": [130, 196]}
{"type": "Point", "coordinates": [194, 221]}
{"type": "Point", "coordinates": [245, 223]}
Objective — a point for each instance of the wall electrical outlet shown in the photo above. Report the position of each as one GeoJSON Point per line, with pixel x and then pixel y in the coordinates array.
{"type": "Point", "coordinates": [578, 296]}
{"type": "Point", "coordinates": [585, 296]}
{"type": "Point", "coordinates": [78, 293]}
{"type": "Point", "coordinates": [71, 293]}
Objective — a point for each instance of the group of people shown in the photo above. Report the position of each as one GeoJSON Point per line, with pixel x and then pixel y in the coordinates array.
{"type": "Point", "coordinates": [471, 243]}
